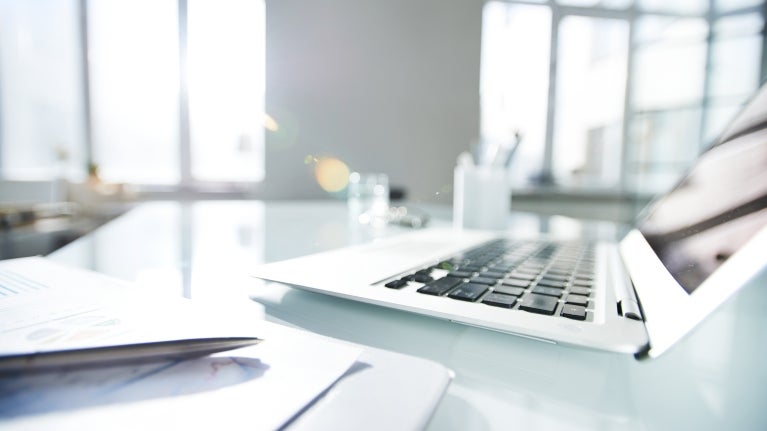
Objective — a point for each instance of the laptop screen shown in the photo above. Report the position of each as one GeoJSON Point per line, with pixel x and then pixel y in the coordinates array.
{"type": "Point", "coordinates": [718, 206]}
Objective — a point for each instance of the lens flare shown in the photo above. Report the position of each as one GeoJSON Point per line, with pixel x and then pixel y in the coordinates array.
{"type": "Point", "coordinates": [270, 124]}
{"type": "Point", "coordinates": [331, 174]}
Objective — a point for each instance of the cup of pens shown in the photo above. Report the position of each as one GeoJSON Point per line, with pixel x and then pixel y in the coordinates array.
{"type": "Point", "coordinates": [482, 186]}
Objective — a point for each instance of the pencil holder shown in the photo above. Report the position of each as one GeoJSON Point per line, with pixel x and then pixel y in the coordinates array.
{"type": "Point", "coordinates": [481, 197]}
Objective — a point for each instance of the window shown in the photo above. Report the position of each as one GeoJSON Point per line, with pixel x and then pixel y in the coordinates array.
{"type": "Point", "coordinates": [154, 92]}
{"type": "Point", "coordinates": [134, 88]}
{"type": "Point", "coordinates": [591, 68]}
{"type": "Point", "coordinates": [515, 78]}
{"type": "Point", "coordinates": [42, 129]}
{"type": "Point", "coordinates": [615, 95]}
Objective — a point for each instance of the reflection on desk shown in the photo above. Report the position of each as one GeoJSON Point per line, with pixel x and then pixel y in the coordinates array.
{"type": "Point", "coordinates": [203, 250]}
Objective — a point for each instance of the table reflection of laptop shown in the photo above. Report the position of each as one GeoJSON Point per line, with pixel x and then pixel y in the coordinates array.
{"type": "Point", "coordinates": [689, 251]}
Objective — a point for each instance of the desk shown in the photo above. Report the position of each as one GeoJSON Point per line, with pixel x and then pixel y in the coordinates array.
{"type": "Point", "coordinates": [713, 379]}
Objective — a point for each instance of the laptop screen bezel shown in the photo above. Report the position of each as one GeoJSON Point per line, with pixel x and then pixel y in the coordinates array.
{"type": "Point", "coordinates": [669, 310]}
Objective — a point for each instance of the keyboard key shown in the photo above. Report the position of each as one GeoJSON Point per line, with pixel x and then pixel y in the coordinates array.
{"type": "Point", "coordinates": [552, 283]}
{"type": "Point", "coordinates": [516, 282]}
{"type": "Point", "coordinates": [441, 286]}
{"type": "Point", "coordinates": [556, 277]}
{"type": "Point", "coordinates": [582, 282]}
{"type": "Point", "coordinates": [577, 300]}
{"type": "Point", "coordinates": [539, 304]}
{"type": "Point", "coordinates": [468, 292]}
{"type": "Point", "coordinates": [576, 312]}
{"type": "Point", "coordinates": [509, 290]}
{"type": "Point", "coordinates": [557, 270]}
{"type": "Point", "coordinates": [492, 274]}
{"type": "Point", "coordinates": [523, 276]}
{"type": "Point", "coordinates": [396, 284]}
{"type": "Point", "coordinates": [533, 265]}
{"type": "Point", "coordinates": [422, 278]}
{"type": "Point", "coordinates": [484, 280]}
{"type": "Point", "coordinates": [501, 267]}
{"type": "Point", "coordinates": [549, 291]}
{"type": "Point", "coordinates": [530, 269]}
{"type": "Point", "coordinates": [500, 300]}
{"type": "Point", "coordinates": [460, 274]}
{"type": "Point", "coordinates": [578, 290]}
{"type": "Point", "coordinates": [470, 268]}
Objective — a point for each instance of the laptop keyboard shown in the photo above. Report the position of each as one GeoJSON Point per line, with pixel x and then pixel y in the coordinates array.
{"type": "Point", "coordinates": [550, 278]}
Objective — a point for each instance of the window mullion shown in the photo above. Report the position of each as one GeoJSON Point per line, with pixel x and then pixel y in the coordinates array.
{"type": "Point", "coordinates": [86, 83]}
{"type": "Point", "coordinates": [184, 135]}
{"type": "Point", "coordinates": [706, 99]}
{"type": "Point", "coordinates": [547, 174]}
{"type": "Point", "coordinates": [628, 113]}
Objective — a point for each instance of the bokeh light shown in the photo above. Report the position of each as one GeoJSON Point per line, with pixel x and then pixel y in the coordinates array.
{"type": "Point", "coordinates": [331, 174]}
{"type": "Point", "coordinates": [270, 123]}
{"type": "Point", "coordinates": [283, 129]}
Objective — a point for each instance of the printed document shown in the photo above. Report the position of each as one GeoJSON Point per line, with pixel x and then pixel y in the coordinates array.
{"type": "Point", "coordinates": [46, 306]}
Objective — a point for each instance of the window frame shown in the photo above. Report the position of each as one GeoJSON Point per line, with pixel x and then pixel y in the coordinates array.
{"type": "Point", "coordinates": [546, 180]}
{"type": "Point", "coordinates": [187, 186]}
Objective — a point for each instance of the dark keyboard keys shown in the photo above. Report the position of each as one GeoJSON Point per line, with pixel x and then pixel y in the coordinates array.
{"type": "Point", "coordinates": [492, 274]}
{"type": "Point", "coordinates": [576, 312]}
{"type": "Point", "coordinates": [516, 282]}
{"type": "Point", "coordinates": [509, 290]}
{"type": "Point", "coordinates": [531, 276]}
{"type": "Point", "coordinates": [579, 290]}
{"type": "Point", "coordinates": [460, 274]}
{"type": "Point", "coordinates": [549, 291]}
{"type": "Point", "coordinates": [539, 304]}
{"type": "Point", "coordinates": [422, 278]}
{"type": "Point", "coordinates": [523, 275]}
{"type": "Point", "coordinates": [552, 283]}
{"type": "Point", "coordinates": [470, 268]}
{"type": "Point", "coordinates": [500, 300]}
{"type": "Point", "coordinates": [504, 268]}
{"type": "Point", "coordinates": [551, 276]}
{"type": "Point", "coordinates": [441, 286]}
{"type": "Point", "coordinates": [484, 280]}
{"type": "Point", "coordinates": [468, 292]}
{"type": "Point", "coordinates": [396, 284]}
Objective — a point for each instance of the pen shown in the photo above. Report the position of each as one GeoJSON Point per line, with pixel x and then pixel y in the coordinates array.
{"type": "Point", "coordinates": [122, 354]}
{"type": "Point", "coordinates": [512, 150]}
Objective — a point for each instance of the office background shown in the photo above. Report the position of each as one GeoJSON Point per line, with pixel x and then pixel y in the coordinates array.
{"type": "Point", "coordinates": [108, 103]}
{"type": "Point", "coordinates": [193, 98]}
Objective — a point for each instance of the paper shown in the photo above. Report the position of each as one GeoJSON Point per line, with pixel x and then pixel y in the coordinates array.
{"type": "Point", "coordinates": [255, 388]}
{"type": "Point", "coordinates": [259, 387]}
{"type": "Point", "coordinates": [45, 306]}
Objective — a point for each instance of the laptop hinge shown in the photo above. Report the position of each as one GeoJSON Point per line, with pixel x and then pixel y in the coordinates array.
{"type": "Point", "coordinates": [629, 308]}
{"type": "Point", "coordinates": [628, 303]}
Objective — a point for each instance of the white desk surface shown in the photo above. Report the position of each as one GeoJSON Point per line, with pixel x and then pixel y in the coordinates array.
{"type": "Point", "coordinates": [713, 379]}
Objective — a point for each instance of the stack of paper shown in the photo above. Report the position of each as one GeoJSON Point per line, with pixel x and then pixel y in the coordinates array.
{"type": "Point", "coordinates": [45, 307]}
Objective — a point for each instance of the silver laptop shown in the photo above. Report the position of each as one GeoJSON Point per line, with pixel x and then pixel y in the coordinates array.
{"type": "Point", "coordinates": [689, 251]}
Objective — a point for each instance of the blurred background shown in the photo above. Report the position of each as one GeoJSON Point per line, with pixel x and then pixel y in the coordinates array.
{"type": "Point", "coordinates": [105, 103]}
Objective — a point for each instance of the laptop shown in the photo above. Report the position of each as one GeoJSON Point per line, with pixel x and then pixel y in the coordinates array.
{"type": "Point", "coordinates": [689, 250]}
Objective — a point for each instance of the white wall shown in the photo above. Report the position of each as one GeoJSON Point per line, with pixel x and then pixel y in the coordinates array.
{"type": "Point", "coordinates": [384, 85]}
